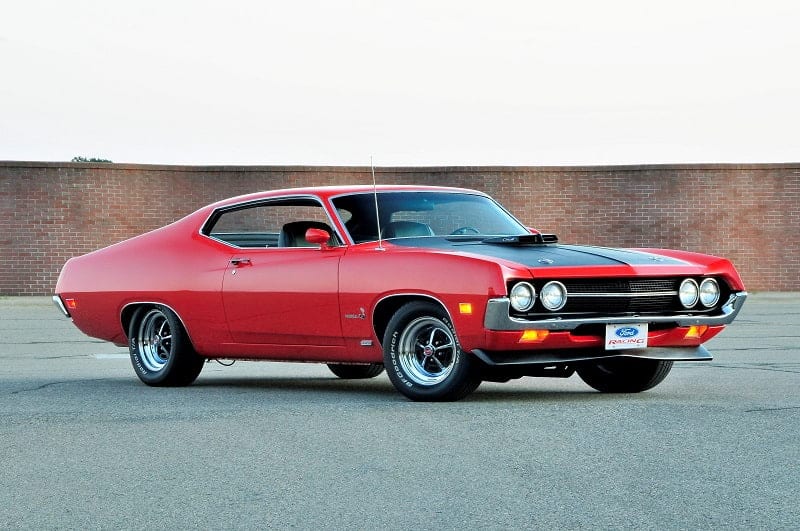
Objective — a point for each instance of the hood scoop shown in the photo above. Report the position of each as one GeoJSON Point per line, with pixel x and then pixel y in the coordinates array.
{"type": "Point", "coordinates": [525, 239]}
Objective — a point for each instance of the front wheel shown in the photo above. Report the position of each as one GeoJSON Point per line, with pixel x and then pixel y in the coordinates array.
{"type": "Point", "coordinates": [423, 358]}
{"type": "Point", "coordinates": [624, 375]}
{"type": "Point", "coordinates": [160, 350]}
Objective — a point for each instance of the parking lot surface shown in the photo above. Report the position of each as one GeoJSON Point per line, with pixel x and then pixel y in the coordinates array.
{"type": "Point", "coordinates": [271, 445]}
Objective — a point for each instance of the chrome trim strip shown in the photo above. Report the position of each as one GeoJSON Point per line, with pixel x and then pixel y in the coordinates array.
{"type": "Point", "coordinates": [60, 305]}
{"type": "Point", "coordinates": [620, 295]}
{"type": "Point", "coordinates": [256, 202]}
{"type": "Point", "coordinates": [498, 317]}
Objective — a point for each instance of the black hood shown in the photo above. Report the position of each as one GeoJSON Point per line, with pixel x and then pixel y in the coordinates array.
{"type": "Point", "coordinates": [541, 255]}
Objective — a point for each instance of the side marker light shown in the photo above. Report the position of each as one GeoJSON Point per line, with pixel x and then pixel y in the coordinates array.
{"type": "Point", "coordinates": [465, 308]}
{"type": "Point", "coordinates": [71, 303]}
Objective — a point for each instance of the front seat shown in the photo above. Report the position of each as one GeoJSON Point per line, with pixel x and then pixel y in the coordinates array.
{"type": "Point", "coordinates": [406, 229]}
{"type": "Point", "coordinates": [294, 234]}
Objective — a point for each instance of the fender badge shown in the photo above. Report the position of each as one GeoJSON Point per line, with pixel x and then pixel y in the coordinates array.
{"type": "Point", "coordinates": [362, 314]}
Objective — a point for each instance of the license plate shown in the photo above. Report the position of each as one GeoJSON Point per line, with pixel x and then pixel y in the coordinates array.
{"type": "Point", "coordinates": [624, 336]}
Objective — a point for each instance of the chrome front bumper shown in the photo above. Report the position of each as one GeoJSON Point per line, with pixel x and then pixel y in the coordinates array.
{"type": "Point", "coordinates": [498, 317]}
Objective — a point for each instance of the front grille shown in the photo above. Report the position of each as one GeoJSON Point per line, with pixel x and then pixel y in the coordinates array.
{"type": "Point", "coordinates": [621, 285]}
{"type": "Point", "coordinates": [619, 296]}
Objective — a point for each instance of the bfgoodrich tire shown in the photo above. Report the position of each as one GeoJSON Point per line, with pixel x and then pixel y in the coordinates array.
{"type": "Point", "coordinates": [160, 350]}
{"type": "Point", "coordinates": [624, 375]}
{"type": "Point", "coordinates": [356, 372]}
{"type": "Point", "coordinates": [423, 358]}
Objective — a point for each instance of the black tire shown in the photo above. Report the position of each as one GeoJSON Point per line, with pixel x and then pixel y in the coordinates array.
{"type": "Point", "coordinates": [423, 357]}
{"type": "Point", "coordinates": [160, 350]}
{"type": "Point", "coordinates": [624, 375]}
{"type": "Point", "coordinates": [356, 372]}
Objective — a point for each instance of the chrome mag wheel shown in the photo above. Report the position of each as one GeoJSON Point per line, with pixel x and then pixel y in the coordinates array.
{"type": "Point", "coordinates": [154, 340]}
{"type": "Point", "coordinates": [427, 351]}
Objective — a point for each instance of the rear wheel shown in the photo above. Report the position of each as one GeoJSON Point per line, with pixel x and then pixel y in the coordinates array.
{"type": "Point", "coordinates": [355, 372]}
{"type": "Point", "coordinates": [160, 350]}
{"type": "Point", "coordinates": [624, 375]}
{"type": "Point", "coordinates": [422, 355]}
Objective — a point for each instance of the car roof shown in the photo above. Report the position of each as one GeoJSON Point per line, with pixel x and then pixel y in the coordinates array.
{"type": "Point", "coordinates": [326, 192]}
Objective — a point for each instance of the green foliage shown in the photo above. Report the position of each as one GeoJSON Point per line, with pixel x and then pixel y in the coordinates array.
{"type": "Point", "coordinates": [92, 159]}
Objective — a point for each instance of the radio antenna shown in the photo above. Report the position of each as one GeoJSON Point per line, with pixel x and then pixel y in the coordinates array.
{"type": "Point", "coordinates": [377, 213]}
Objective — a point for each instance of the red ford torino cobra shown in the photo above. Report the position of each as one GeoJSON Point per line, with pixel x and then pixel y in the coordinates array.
{"type": "Point", "coordinates": [441, 286]}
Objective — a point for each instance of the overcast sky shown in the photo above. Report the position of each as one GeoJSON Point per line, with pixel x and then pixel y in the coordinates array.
{"type": "Point", "coordinates": [409, 82]}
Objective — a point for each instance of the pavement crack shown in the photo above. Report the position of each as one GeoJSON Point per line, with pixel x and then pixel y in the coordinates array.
{"type": "Point", "coordinates": [755, 368]}
{"type": "Point", "coordinates": [759, 410]}
{"type": "Point", "coordinates": [79, 341]}
{"type": "Point", "coordinates": [51, 384]}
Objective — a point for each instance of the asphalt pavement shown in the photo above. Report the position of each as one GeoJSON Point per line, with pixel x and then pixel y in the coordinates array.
{"type": "Point", "coordinates": [83, 444]}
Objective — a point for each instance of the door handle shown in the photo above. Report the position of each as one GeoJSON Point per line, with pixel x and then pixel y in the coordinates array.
{"type": "Point", "coordinates": [240, 261]}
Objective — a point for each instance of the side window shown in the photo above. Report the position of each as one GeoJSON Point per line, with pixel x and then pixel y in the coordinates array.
{"type": "Point", "coordinates": [271, 224]}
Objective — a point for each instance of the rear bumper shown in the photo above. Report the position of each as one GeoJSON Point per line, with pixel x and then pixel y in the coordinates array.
{"type": "Point", "coordinates": [498, 317]}
{"type": "Point", "coordinates": [60, 305]}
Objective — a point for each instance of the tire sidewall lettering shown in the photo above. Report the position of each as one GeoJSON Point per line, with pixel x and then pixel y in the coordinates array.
{"type": "Point", "coordinates": [393, 353]}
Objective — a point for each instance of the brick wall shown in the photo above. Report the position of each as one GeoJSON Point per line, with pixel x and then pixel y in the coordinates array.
{"type": "Point", "coordinates": [748, 213]}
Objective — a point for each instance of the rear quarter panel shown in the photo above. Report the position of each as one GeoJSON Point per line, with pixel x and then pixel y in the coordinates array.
{"type": "Point", "coordinates": [173, 265]}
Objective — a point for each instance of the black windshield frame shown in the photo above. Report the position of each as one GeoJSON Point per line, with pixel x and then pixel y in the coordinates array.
{"type": "Point", "coordinates": [441, 213]}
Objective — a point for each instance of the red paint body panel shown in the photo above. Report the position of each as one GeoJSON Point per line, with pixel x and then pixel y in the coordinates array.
{"type": "Point", "coordinates": [312, 304]}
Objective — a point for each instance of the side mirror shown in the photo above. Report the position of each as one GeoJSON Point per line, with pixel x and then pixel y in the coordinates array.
{"type": "Point", "coordinates": [318, 237]}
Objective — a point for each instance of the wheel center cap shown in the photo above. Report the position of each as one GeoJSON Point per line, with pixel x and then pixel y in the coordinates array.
{"type": "Point", "coordinates": [428, 350]}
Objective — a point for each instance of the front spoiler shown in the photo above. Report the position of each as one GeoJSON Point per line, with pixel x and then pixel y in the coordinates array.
{"type": "Point", "coordinates": [499, 318]}
{"type": "Point", "coordinates": [506, 358]}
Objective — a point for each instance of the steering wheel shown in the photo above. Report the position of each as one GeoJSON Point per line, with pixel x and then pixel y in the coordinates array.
{"type": "Point", "coordinates": [466, 229]}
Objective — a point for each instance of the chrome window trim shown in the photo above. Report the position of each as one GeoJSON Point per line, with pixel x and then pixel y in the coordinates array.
{"type": "Point", "coordinates": [257, 202]}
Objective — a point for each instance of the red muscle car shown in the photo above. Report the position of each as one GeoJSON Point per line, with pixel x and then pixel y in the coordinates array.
{"type": "Point", "coordinates": [441, 286]}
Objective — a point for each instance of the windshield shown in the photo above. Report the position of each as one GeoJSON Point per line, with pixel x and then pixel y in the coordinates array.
{"type": "Point", "coordinates": [414, 214]}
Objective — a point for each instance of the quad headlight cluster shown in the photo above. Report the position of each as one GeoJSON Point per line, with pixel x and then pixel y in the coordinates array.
{"type": "Point", "coordinates": [707, 293]}
{"type": "Point", "coordinates": [553, 295]}
{"type": "Point", "coordinates": [523, 296]}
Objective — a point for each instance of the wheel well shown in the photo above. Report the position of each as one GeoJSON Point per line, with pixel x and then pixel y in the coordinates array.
{"type": "Point", "coordinates": [128, 312]}
{"type": "Point", "coordinates": [387, 307]}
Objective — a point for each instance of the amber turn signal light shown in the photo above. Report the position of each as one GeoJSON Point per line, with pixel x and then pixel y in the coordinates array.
{"type": "Point", "coordinates": [532, 336]}
{"type": "Point", "coordinates": [696, 331]}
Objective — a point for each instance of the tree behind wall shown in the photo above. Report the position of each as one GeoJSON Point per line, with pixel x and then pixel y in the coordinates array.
{"type": "Point", "coordinates": [91, 159]}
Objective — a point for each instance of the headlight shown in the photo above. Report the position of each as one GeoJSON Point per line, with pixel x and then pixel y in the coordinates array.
{"type": "Point", "coordinates": [709, 292]}
{"type": "Point", "coordinates": [553, 296]}
{"type": "Point", "coordinates": [522, 296]}
{"type": "Point", "coordinates": [688, 293]}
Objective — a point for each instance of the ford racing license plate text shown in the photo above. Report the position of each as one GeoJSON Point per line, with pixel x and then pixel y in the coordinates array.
{"type": "Point", "coordinates": [626, 336]}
